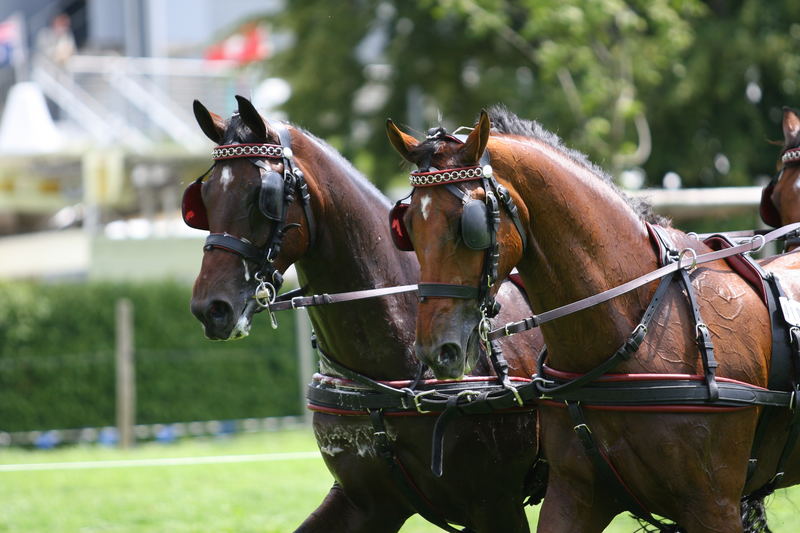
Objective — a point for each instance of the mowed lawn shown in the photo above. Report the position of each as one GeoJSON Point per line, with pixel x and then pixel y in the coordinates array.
{"type": "Point", "coordinates": [263, 493]}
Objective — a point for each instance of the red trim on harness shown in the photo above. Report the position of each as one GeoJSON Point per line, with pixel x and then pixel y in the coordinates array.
{"type": "Point", "coordinates": [652, 408]}
{"type": "Point", "coordinates": [644, 377]}
{"type": "Point", "coordinates": [352, 412]}
{"type": "Point", "coordinates": [322, 378]}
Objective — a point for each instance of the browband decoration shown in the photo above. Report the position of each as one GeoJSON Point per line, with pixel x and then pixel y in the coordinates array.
{"type": "Point", "coordinates": [231, 151]}
{"type": "Point", "coordinates": [437, 177]}
{"type": "Point", "coordinates": [791, 156]}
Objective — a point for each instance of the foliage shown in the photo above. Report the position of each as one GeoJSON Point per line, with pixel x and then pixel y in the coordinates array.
{"type": "Point", "coordinates": [670, 85]}
{"type": "Point", "coordinates": [57, 359]}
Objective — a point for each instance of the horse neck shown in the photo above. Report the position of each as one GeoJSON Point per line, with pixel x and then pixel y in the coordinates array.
{"type": "Point", "coordinates": [586, 239]}
{"type": "Point", "coordinates": [353, 250]}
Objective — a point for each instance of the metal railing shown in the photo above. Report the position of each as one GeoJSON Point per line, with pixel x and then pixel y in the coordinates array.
{"type": "Point", "coordinates": [138, 102]}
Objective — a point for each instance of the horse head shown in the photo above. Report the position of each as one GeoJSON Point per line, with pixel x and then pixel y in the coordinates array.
{"type": "Point", "coordinates": [782, 192]}
{"type": "Point", "coordinates": [463, 237]}
{"type": "Point", "coordinates": [252, 198]}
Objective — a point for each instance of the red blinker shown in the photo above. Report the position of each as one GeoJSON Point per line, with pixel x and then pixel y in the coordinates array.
{"type": "Point", "coordinates": [397, 228]}
{"type": "Point", "coordinates": [192, 207]}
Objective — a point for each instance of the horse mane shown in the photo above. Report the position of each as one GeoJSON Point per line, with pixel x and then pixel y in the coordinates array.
{"type": "Point", "coordinates": [506, 122]}
{"type": "Point", "coordinates": [237, 132]}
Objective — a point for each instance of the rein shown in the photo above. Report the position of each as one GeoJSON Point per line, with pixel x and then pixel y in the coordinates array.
{"type": "Point", "coordinates": [683, 262]}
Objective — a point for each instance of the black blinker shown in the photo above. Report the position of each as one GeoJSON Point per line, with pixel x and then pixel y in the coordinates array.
{"type": "Point", "coordinates": [475, 225]}
{"type": "Point", "coordinates": [270, 198]}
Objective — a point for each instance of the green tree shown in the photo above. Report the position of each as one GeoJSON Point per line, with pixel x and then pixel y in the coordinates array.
{"type": "Point", "coordinates": [655, 83]}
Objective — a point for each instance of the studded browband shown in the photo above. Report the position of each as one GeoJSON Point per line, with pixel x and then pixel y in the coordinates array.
{"type": "Point", "coordinates": [232, 151]}
{"type": "Point", "coordinates": [437, 177]}
{"type": "Point", "coordinates": [791, 156]}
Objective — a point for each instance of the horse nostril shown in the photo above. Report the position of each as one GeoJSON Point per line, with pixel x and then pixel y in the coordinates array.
{"type": "Point", "coordinates": [449, 353]}
{"type": "Point", "coordinates": [219, 311]}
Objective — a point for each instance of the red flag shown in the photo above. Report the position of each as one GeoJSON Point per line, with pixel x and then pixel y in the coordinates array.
{"type": "Point", "coordinates": [248, 44]}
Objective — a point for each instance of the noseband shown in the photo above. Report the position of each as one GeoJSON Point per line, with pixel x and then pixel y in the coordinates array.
{"type": "Point", "coordinates": [272, 184]}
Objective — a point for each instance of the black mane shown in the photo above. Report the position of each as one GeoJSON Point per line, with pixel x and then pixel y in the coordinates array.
{"type": "Point", "coordinates": [505, 122]}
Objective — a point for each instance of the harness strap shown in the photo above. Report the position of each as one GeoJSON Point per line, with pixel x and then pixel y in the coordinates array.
{"type": "Point", "coordinates": [609, 477]}
{"type": "Point", "coordinates": [285, 302]}
{"type": "Point", "coordinates": [442, 422]}
{"type": "Point", "coordinates": [418, 501]}
{"type": "Point", "coordinates": [702, 338]}
{"type": "Point", "coordinates": [623, 353]}
{"type": "Point", "coordinates": [294, 175]}
{"type": "Point", "coordinates": [235, 245]}
{"type": "Point", "coordinates": [447, 290]}
{"type": "Point", "coordinates": [674, 391]}
{"type": "Point", "coordinates": [590, 301]}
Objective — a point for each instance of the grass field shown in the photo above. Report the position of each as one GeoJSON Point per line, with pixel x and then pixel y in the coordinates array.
{"type": "Point", "coordinates": [247, 490]}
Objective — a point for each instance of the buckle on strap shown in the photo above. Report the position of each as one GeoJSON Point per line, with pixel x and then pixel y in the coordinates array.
{"type": "Point", "coordinates": [418, 400]}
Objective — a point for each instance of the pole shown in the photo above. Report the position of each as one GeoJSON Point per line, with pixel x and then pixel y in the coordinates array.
{"type": "Point", "coordinates": [126, 382]}
{"type": "Point", "coordinates": [305, 357]}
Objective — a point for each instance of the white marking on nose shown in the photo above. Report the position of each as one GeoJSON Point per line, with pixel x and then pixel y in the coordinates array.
{"type": "Point", "coordinates": [246, 270]}
{"type": "Point", "coordinates": [426, 206]}
{"type": "Point", "coordinates": [226, 178]}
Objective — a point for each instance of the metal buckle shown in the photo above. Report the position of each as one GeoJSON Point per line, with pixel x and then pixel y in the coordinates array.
{"type": "Point", "coordinates": [698, 327]}
{"type": "Point", "coordinates": [539, 379]}
{"type": "Point", "coordinates": [468, 393]}
{"type": "Point", "coordinates": [294, 305]}
{"type": "Point", "coordinates": [505, 329]}
{"type": "Point", "coordinates": [515, 392]}
{"type": "Point", "coordinates": [575, 428]}
{"type": "Point", "coordinates": [639, 327]}
{"type": "Point", "coordinates": [760, 246]}
{"type": "Point", "coordinates": [417, 399]}
{"type": "Point", "coordinates": [693, 255]}
{"type": "Point", "coordinates": [793, 334]}
{"type": "Point", "coordinates": [793, 400]}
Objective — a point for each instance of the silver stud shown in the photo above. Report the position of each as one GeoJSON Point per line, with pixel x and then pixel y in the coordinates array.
{"type": "Point", "coordinates": [487, 171]}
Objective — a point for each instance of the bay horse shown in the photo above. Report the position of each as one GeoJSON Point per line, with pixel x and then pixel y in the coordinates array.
{"type": "Point", "coordinates": [576, 235]}
{"type": "Point", "coordinates": [342, 245]}
{"type": "Point", "coordinates": [780, 201]}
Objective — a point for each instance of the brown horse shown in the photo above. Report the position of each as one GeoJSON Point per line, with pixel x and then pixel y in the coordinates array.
{"type": "Point", "coordinates": [584, 237]}
{"type": "Point", "coordinates": [780, 200]}
{"type": "Point", "coordinates": [348, 248]}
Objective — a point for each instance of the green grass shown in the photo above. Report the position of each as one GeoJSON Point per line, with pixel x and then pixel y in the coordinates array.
{"type": "Point", "coordinates": [261, 496]}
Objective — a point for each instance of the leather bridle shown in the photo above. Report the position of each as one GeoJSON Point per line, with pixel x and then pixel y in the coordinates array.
{"type": "Point", "coordinates": [294, 184]}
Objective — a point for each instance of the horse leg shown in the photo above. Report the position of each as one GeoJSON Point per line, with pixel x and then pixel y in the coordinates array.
{"type": "Point", "coordinates": [503, 519]}
{"type": "Point", "coordinates": [572, 508]}
{"type": "Point", "coordinates": [338, 514]}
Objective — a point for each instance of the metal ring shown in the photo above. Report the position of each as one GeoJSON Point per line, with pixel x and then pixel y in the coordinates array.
{"type": "Point", "coordinates": [763, 242]}
{"type": "Point", "coordinates": [693, 235]}
{"type": "Point", "coordinates": [691, 252]}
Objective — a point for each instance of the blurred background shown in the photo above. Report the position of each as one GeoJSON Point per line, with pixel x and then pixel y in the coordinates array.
{"type": "Point", "coordinates": [680, 100]}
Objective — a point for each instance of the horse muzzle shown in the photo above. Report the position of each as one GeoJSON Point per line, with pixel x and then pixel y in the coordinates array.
{"type": "Point", "coordinates": [219, 319]}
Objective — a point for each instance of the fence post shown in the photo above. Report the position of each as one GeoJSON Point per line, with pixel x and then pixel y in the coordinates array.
{"type": "Point", "coordinates": [302, 331]}
{"type": "Point", "coordinates": [126, 380]}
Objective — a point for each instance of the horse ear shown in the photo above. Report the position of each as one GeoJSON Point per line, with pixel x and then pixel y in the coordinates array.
{"type": "Point", "coordinates": [402, 142]}
{"type": "Point", "coordinates": [477, 140]}
{"type": "Point", "coordinates": [791, 127]}
{"type": "Point", "coordinates": [251, 118]}
{"type": "Point", "coordinates": [212, 125]}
